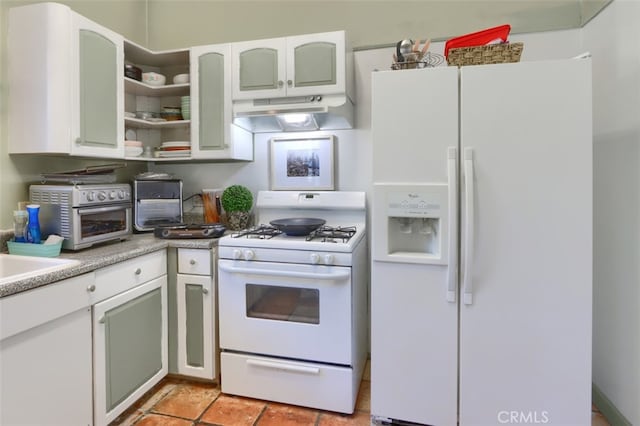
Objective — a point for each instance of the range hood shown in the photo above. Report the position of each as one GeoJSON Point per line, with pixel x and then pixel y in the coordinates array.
{"type": "Point", "coordinates": [294, 114]}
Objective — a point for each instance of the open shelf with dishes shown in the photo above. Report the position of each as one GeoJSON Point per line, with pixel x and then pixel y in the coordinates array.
{"type": "Point", "coordinates": [140, 88]}
{"type": "Point", "coordinates": [157, 110]}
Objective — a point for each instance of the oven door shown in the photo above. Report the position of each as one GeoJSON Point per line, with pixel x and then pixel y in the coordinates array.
{"type": "Point", "coordinates": [97, 224]}
{"type": "Point", "coordinates": [287, 310]}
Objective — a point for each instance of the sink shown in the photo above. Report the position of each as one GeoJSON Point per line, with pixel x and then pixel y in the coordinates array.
{"type": "Point", "coordinates": [14, 267]}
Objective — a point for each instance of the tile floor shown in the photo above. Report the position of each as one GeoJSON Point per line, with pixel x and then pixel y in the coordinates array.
{"type": "Point", "coordinates": [178, 402]}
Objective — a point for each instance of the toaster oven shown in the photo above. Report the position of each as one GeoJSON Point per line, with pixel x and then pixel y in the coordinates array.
{"type": "Point", "coordinates": [84, 215]}
{"type": "Point", "coordinates": [156, 203]}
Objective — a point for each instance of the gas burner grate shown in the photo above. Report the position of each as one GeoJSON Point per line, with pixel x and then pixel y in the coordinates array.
{"type": "Point", "coordinates": [332, 234]}
{"type": "Point", "coordinates": [263, 232]}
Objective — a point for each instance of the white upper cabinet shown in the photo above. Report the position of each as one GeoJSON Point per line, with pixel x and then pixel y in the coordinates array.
{"type": "Point", "coordinates": [68, 93]}
{"type": "Point", "coordinates": [65, 83]}
{"type": "Point", "coordinates": [213, 136]}
{"type": "Point", "coordinates": [312, 64]}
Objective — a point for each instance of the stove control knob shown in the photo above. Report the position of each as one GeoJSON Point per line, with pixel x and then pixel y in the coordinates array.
{"type": "Point", "coordinates": [249, 254]}
{"type": "Point", "coordinates": [102, 196]}
{"type": "Point", "coordinates": [112, 195]}
{"type": "Point", "coordinates": [237, 254]}
{"type": "Point", "coordinates": [315, 258]}
{"type": "Point", "coordinates": [91, 196]}
{"type": "Point", "coordinates": [328, 259]}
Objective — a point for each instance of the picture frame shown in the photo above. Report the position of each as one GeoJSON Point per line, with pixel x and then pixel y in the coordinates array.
{"type": "Point", "coordinates": [302, 163]}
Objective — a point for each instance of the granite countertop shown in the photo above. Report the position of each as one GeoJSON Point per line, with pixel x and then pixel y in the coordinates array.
{"type": "Point", "coordinates": [104, 255]}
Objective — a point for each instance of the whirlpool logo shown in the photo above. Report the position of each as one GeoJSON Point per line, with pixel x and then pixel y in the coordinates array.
{"type": "Point", "coordinates": [523, 417]}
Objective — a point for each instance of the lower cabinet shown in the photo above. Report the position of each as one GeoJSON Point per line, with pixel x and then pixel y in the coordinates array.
{"type": "Point", "coordinates": [196, 314]}
{"type": "Point", "coordinates": [129, 336]}
{"type": "Point", "coordinates": [82, 350]}
{"type": "Point", "coordinates": [45, 355]}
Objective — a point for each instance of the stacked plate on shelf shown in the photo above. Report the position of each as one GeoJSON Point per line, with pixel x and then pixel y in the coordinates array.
{"type": "Point", "coordinates": [175, 149]}
{"type": "Point", "coordinates": [132, 148]}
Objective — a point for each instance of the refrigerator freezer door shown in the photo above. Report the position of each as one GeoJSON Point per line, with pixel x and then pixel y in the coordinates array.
{"type": "Point", "coordinates": [413, 344]}
{"type": "Point", "coordinates": [414, 325]}
{"type": "Point", "coordinates": [525, 342]}
{"type": "Point", "coordinates": [414, 120]}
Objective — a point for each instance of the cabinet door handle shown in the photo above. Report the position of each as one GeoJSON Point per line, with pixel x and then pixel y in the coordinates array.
{"type": "Point", "coordinates": [138, 271]}
{"type": "Point", "coordinates": [192, 262]}
{"type": "Point", "coordinates": [289, 83]}
{"type": "Point", "coordinates": [205, 291]}
{"type": "Point", "coordinates": [280, 83]}
{"type": "Point", "coordinates": [91, 288]}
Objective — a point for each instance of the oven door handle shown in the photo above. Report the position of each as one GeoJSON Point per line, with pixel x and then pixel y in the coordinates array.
{"type": "Point", "coordinates": [331, 276]}
{"type": "Point", "coordinates": [92, 210]}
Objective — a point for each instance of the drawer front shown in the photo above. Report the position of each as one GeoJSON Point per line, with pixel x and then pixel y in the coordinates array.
{"type": "Point", "coordinates": [123, 276]}
{"type": "Point", "coordinates": [195, 261]}
{"type": "Point", "coordinates": [32, 308]}
{"type": "Point", "coordinates": [333, 388]}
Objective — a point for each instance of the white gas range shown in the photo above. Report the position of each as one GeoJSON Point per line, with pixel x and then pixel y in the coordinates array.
{"type": "Point", "coordinates": [293, 309]}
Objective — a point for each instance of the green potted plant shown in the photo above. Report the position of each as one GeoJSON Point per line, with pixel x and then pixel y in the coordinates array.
{"type": "Point", "coordinates": [237, 201]}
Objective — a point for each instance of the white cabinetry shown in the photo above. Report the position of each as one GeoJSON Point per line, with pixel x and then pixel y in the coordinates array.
{"type": "Point", "coordinates": [312, 64]}
{"type": "Point", "coordinates": [196, 314]}
{"type": "Point", "coordinates": [142, 97]}
{"type": "Point", "coordinates": [65, 83]}
{"type": "Point", "coordinates": [213, 136]}
{"type": "Point", "coordinates": [130, 333]}
{"type": "Point", "coordinates": [45, 355]}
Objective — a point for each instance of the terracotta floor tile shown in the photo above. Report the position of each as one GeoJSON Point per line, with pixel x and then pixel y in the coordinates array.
{"type": "Point", "coordinates": [598, 419]}
{"type": "Point", "coordinates": [363, 403]}
{"type": "Point", "coordinates": [287, 415]}
{"type": "Point", "coordinates": [134, 413]}
{"type": "Point", "coordinates": [358, 418]}
{"type": "Point", "coordinates": [163, 390]}
{"type": "Point", "coordinates": [128, 418]}
{"type": "Point", "coordinates": [230, 410]}
{"type": "Point", "coordinates": [187, 400]}
{"type": "Point", "coordinates": [160, 420]}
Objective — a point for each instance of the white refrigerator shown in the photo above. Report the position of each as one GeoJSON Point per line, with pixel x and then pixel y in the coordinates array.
{"type": "Point", "coordinates": [481, 281]}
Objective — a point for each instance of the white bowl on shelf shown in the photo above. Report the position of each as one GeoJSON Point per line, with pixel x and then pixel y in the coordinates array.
{"type": "Point", "coordinates": [132, 151]}
{"type": "Point", "coordinates": [181, 79]}
{"type": "Point", "coordinates": [153, 79]}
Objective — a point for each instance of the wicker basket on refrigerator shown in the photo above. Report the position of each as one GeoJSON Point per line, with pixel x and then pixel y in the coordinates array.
{"type": "Point", "coordinates": [487, 54]}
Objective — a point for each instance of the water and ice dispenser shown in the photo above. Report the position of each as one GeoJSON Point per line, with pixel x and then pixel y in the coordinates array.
{"type": "Point", "coordinates": [411, 223]}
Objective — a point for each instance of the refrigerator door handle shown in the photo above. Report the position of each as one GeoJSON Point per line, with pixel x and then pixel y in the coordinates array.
{"type": "Point", "coordinates": [452, 270]}
{"type": "Point", "coordinates": [467, 283]}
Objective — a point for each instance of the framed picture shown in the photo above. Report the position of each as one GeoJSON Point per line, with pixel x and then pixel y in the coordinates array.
{"type": "Point", "coordinates": [302, 163]}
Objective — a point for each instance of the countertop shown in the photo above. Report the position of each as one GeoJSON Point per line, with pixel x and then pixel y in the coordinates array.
{"type": "Point", "coordinates": [104, 255]}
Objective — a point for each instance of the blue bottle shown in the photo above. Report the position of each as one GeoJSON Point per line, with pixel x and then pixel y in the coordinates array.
{"type": "Point", "coordinates": [33, 228]}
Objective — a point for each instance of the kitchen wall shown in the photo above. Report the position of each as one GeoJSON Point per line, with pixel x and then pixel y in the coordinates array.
{"type": "Point", "coordinates": [614, 39]}
{"type": "Point", "coordinates": [368, 23]}
{"type": "Point", "coordinates": [612, 36]}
